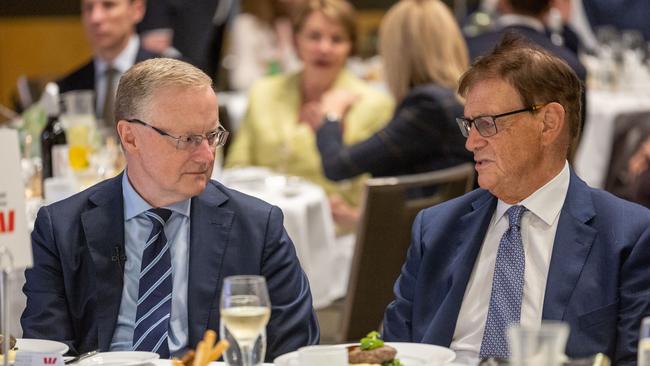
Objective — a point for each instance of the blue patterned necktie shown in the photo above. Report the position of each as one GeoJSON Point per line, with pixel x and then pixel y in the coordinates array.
{"type": "Point", "coordinates": [507, 288]}
{"type": "Point", "coordinates": [155, 289]}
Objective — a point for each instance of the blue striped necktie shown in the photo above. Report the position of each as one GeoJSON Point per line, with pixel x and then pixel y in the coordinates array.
{"type": "Point", "coordinates": [155, 289]}
{"type": "Point", "coordinates": [507, 288]}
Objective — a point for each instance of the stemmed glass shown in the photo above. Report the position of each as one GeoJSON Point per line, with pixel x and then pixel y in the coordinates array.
{"type": "Point", "coordinates": [245, 311]}
{"type": "Point", "coordinates": [643, 358]}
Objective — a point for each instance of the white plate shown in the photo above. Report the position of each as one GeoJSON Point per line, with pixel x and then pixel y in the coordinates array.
{"type": "Point", "coordinates": [126, 358]}
{"type": "Point", "coordinates": [410, 354]}
{"type": "Point", "coordinates": [40, 346]}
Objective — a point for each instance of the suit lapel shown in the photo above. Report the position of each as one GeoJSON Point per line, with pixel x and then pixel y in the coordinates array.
{"type": "Point", "coordinates": [573, 241]}
{"type": "Point", "coordinates": [471, 231]}
{"type": "Point", "coordinates": [209, 236]}
{"type": "Point", "coordinates": [104, 231]}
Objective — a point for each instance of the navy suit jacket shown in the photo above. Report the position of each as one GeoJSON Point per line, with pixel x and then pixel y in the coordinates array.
{"type": "Point", "coordinates": [75, 286]}
{"type": "Point", "coordinates": [83, 78]}
{"type": "Point", "coordinates": [598, 280]}
{"type": "Point", "coordinates": [421, 136]}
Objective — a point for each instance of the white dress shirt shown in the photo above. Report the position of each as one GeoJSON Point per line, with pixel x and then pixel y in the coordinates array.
{"type": "Point", "coordinates": [122, 62]}
{"type": "Point", "coordinates": [508, 20]}
{"type": "Point", "coordinates": [538, 227]}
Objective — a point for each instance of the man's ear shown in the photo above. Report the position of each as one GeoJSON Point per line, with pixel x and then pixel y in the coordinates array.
{"type": "Point", "coordinates": [553, 120]}
{"type": "Point", "coordinates": [127, 137]}
{"type": "Point", "coordinates": [138, 8]}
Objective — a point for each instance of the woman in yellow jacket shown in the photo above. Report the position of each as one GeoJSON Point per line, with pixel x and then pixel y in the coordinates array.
{"type": "Point", "coordinates": [275, 132]}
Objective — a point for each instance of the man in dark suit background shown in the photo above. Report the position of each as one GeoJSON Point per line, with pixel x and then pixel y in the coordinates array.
{"type": "Point", "coordinates": [90, 259]}
{"type": "Point", "coordinates": [193, 29]}
{"type": "Point", "coordinates": [525, 17]}
{"type": "Point", "coordinates": [110, 29]}
{"type": "Point", "coordinates": [534, 242]}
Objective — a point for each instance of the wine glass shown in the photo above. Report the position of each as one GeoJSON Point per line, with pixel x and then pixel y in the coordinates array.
{"type": "Point", "coordinates": [644, 343]}
{"type": "Point", "coordinates": [245, 311]}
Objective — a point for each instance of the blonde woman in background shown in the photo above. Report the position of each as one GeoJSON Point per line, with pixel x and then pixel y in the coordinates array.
{"type": "Point", "coordinates": [424, 54]}
{"type": "Point", "coordinates": [275, 131]}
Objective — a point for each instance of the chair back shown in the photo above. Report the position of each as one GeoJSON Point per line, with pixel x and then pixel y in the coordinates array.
{"type": "Point", "coordinates": [383, 238]}
{"type": "Point", "coordinates": [630, 131]}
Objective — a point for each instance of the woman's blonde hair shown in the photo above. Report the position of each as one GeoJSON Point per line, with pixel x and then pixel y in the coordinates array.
{"type": "Point", "coordinates": [420, 43]}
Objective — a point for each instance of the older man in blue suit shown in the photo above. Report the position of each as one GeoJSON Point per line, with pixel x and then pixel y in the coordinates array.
{"type": "Point", "coordinates": [534, 242]}
{"type": "Point", "coordinates": [137, 262]}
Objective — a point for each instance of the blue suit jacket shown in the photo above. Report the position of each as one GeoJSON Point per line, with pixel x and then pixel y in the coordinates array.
{"type": "Point", "coordinates": [598, 280]}
{"type": "Point", "coordinates": [74, 289]}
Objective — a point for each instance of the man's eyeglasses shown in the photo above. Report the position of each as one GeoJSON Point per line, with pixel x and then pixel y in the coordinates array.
{"type": "Point", "coordinates": [487, 125]}
{"type": "Point", "coordinates": [215, 138]}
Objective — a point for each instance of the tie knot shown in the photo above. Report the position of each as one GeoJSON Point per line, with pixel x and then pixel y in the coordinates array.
{"type": "Point", "coordinates": [158, 215]}
{"type": "Point", "coordinates": [514, 215]}
{"type": "Point", "coordinates": [110, 71]}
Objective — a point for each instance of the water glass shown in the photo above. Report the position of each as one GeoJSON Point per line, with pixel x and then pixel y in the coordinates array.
{"type": "Point", "coordinates": [644, 343]}
{"type": "Point", "coordinates": [245, 311]}
{"type": "Point", "coordinates": [80, 126]}
{"type": "Point", "coordinates": [542, 345]}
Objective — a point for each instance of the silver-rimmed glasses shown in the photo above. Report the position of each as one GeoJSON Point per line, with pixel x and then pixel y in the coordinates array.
{"type": "Point", "coordinates": [215, 138]}
{"type": "Point", "coordinates": [486, 125]}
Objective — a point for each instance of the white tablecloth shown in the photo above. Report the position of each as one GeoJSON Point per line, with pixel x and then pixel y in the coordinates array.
{"type": "Point", "coordinates": [594, 152]}
{"type": "Point", "coordinates": [308, 220]}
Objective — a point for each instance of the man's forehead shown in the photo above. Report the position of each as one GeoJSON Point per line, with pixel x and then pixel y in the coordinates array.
{"type": "Point", "coordinates": [489, 96]}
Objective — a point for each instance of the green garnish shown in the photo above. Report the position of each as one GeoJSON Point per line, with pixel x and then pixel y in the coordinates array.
{"type": "Point", "coordinates": [371, 341]}
{"type": "Point", "coordinates": [394, 362]}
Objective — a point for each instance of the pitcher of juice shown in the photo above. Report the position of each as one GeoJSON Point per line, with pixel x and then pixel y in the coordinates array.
{"type": "Point", "coordinates": [80, 126]}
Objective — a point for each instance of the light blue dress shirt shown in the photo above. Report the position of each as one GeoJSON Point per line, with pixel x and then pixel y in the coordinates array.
{"type": "Point", "coordinates": [137, 228]}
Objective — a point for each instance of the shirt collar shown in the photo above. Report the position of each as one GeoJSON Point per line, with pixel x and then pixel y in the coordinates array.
{"type": "Point", "coordinates": [123, 61]}
{"type": "Point", "coordinates": [135, 205]}
{"type": "Point", "coordinates": [507, 20]}
{"type": "Point", "coordinates": [546, 203]}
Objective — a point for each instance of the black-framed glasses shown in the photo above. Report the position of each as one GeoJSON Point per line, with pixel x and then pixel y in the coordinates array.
{"type": "Point", "coordinates": [215, 138]}
{"type": "Point", "coordinates": [487, 125]}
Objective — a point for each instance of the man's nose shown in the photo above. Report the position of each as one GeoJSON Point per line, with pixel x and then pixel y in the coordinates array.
{"type": "Point", "coordinates": [204, 151]}
{"type": "Point", "coordinates": [474, 139]}
{"type": "Point", "coordinates": [96, 13]}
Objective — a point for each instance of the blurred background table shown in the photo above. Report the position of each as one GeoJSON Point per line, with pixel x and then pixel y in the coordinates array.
{"type": "Point", "coordinates": [594, 153]}
{"type": "Point", "coordinates": [308, 220]}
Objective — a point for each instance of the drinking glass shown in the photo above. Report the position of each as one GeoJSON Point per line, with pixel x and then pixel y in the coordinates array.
{"type": "Point", "coordinates": [79, 124]}
{"type": "Point", "coordinates": [644, 343]}
{"type": "Point", "coordinates": [541, 345]}
{"type": "Point", "coordinates": [245, 311]}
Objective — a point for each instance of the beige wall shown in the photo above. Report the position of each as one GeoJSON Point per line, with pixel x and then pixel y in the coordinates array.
{"type": "Point", "coordinates": [38, 47]}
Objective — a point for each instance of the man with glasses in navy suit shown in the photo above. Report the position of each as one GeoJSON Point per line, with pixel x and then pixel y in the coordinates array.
{"type": "Point", "coordinates": [137, 262]}
{"type": "Point", "coordinates": [535, 242]}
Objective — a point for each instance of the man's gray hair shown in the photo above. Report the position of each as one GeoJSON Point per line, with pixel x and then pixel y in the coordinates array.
{"type": "Point", "coordinates": [138, 84]}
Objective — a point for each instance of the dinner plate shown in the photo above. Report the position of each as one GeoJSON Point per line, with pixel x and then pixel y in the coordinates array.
{"type": "Point", "coordinates": [410, 354]}
{"type": "Point", "coordinates": [37, 346]}
{"type": "Point", "coordinates": [125, 358]}
{"type": "Point", "coordinates": [40, 346]}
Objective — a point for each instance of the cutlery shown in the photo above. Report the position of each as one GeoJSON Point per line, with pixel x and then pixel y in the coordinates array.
{"type": "Point", "coordinates": [81, 357]}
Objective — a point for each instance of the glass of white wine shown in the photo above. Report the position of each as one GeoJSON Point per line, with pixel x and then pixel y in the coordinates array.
{"type": "Point", "coordinates": [245, 311]}
{"type": "Point", "coordinates": [644, 343]}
